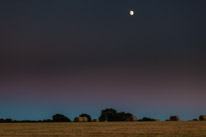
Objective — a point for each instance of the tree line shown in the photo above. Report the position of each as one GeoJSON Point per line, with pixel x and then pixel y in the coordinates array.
{"type": "Point", "coordinates": [108, 114]}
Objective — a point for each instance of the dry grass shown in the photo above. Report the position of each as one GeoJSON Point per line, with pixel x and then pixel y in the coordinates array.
{"type": "Point", "coordinates": [121, 129]}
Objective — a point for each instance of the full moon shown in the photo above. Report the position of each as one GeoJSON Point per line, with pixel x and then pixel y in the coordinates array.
{"type": "Point", "coordinates": [131, 12]}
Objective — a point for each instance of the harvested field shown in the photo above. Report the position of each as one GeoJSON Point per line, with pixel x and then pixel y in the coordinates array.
{"type": "Point", "coordinates": [104, 129]}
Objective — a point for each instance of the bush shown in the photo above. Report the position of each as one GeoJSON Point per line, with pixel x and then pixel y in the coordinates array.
{"type": "Point", "coordinates": [146, 119]}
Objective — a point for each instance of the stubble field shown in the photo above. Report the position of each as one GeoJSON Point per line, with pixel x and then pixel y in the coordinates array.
{"type": "Point", "coordinates": [104, 129]}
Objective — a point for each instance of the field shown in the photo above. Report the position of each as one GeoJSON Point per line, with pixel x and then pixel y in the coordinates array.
{"type": "Point", "coordinates": [104, 129]}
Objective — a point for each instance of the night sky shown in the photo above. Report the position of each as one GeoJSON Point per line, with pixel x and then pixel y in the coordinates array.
{"type": "Point", "coordinates": [78, 56]}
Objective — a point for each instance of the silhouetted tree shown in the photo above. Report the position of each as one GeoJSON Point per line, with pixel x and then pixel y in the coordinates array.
{"type": "Point", "coordinates": [86, 115]}
{"type": "Point", "coordinates": [146, 119]}
{"type": "Point", "coordinates": [8, 120]}
{"type": "Point", "coordinates": [60, 118]}
{"type": "Point", "coordinates": [1, 120]}
{"type": "Point", "coordinates": [108, 114]}
{"type": "Point", "coordinates": [122, 116]}
{"type": "Point", "coordinates": [111, 114]}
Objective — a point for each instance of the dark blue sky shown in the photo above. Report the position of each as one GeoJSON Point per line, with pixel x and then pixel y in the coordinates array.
{"type": "Point", "coordinates": [74, 56]}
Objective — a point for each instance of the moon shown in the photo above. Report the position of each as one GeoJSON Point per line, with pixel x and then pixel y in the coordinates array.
{"type": "Point", "coordinates": [131, 12]}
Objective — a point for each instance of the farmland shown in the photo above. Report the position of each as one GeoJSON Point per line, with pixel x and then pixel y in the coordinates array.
{"type": "Point", "coordinates": [104, 129]}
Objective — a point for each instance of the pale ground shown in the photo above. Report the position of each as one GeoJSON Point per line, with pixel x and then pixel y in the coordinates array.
{"type": "Point", "coordinates": [120, 129]}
